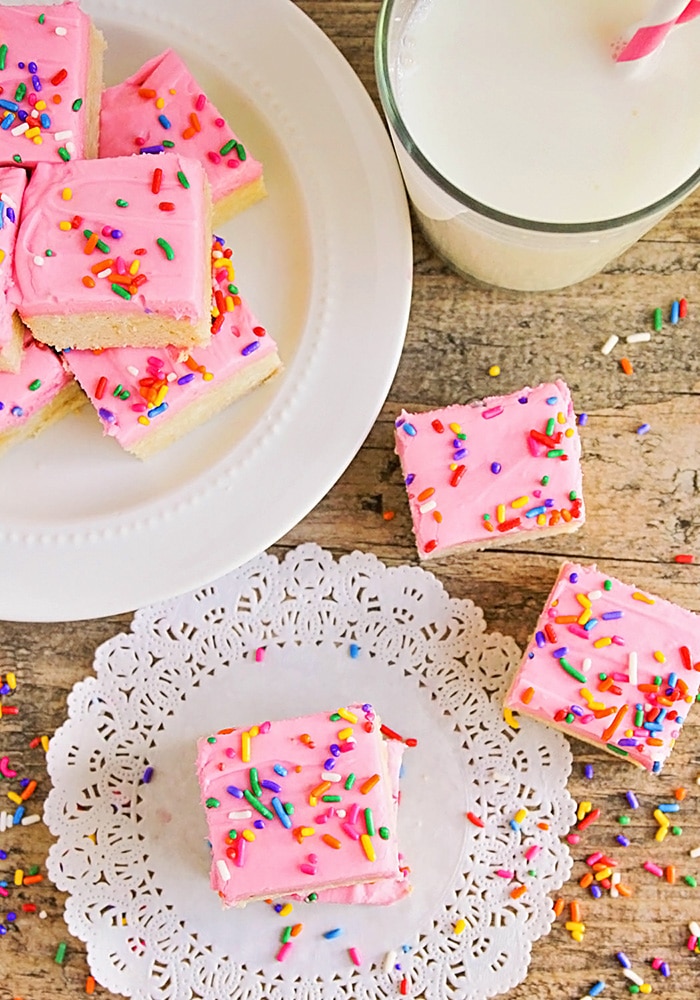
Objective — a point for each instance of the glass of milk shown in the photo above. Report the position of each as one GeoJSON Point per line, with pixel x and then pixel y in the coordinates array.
{"type": "Point", "coordinates": [531, 158]}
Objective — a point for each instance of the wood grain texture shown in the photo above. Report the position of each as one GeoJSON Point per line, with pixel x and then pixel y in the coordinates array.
{"type": "Point", "coordinates": [642, 495]}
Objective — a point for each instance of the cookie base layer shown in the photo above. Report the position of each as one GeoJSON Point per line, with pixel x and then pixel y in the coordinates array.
{"type": "Point", "coordinates": [11, 353]}
{"type": "Point", "coordinates": [68, 400]}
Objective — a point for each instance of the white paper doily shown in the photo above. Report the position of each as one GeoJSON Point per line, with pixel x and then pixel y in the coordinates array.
{"type": "Point", "coordinates": [133, 855]}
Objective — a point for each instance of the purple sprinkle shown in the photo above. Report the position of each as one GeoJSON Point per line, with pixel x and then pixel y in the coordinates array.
{"type": "Point", "coordinates": [643, 428]}
{"type": "Point", "coordinates": [409, 478]}
{"type": "Point", "coordinates": [573, 577]}
{"type": "Point", "coordinates": [596, 891]}
{"type": "Point", "coordinates": [549, 502]}
{"type": "Point", "coordinates": [3, 855]}
{"type": "Point", "coordinates": [460, 453]}
{"type": "Point", "coordinates": [11, 213]}
{"type": "Point", "coordinates": [259, 824]}
{"type": "Point", "coordinates": [588, 771]}
{"type": "Point", "coordinates": [663, 968]}
{"type": "Point", "coordinates": [235, 791]}
{"type": "Point", "coordinates": [628, 742]}
{"type": "Point", "coordinates": [399, 421]}
{"type": "Point", "coordinates": [3, 930]}
{"type": "Point", "coordinates": [152, 149]}
{"type": "Point", "coordinates": [147, 775]}
{"type": "Point", "coordinates": [22, 115]}
{"type": "Point", "coordinates": [457, 443]}
{"type": "Point", "coordinates": [11, 916]}
{"type": "Point", "coordinates": [184, 379]}
{"type": "Point", "coordinates": [522, 399]}
{"type": "Point", "coordinates": [366, 708]}
{"type": "Point", "coordinates": [17, 411]}
{"type": "Point", "coordinates": [2, 406]}
{"type": "Point", "coordinates": [632, 800]}
{"type": "Point", "coordinates": [582, 419]}
{"type": "Point", "coordinates": [611, 615]}
{"type": "Point", "coordinates": [540, 639]}
{"type": "Point", "coordinates": [623, 960]}
{"type": "Point", "coordinates": [496, 467]}
{"type": "Point", "coordinates": [36, 82]}
{"type": "Point", "coordinates": [106, 415]}
{"type": "Point", "coordinates": [577, 711]}
{"type": "Point", "coordinates": [20, 65]}
{"type": "Point", "coordinates": [249, 348]}
{"type": "Point", "coordinates": [32, 67]}
{"type": "Point", "coordinates": [334, 749]}
{"type": "Point", "coordinates": [561, 651]}
{"type": "Point", "coordinates": [622, 840]}
{"type": "Point", "coordinates": [531, 655]}
{"type": "Point", "coordinates": [117, 234]}
{"type": "Point", "coordinates": [271, 785]}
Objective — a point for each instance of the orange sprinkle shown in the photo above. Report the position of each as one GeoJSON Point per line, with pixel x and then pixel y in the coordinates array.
{"type": "Point", "coordinates": [575, 911]}
{"type": "Point", "coordinates": [101, 265]}
{"type": "Point", "coordinates": [320, 789]}
{"type": "Point", "coordinates": [623, 889]}
{"type": "Point", "coordinates": [519, 891]}
{"type": "Point", "coordinates": [607, 733]}
{"type": "Point", "coordinates": [194, 122]}
{"type": "Point", "coordinates": [90, 985]}
{"type": "Point", "coordinates": [146, 92]}
{"type": "Point", "coordinates": [680, 794]}
{"type": "Point", "coordinates": [626, 366]}
{"type": "Point", "coordinates": [32, 879]}
{"type": "Point", "coordinates": [425, 494]}
{"type": "Point", "coordinates": [586, 880]}
{"type": "Point", "coordinates": [91, 243]}
{"type": "Point", "coordinates": [29, 791]}
{"type": "Point", "coordinates": [88, 281]}
{"type": "Point", "coordinates": [559, 905]}
{"type": "Point", "coordinates": [297, 929]}
{"type": "Point", "coordinates": [368, 785]}
{"type": "Point", "coordinates": [653, 741]}
{"type": "Point", "coordinates": [565, 619]}
{"type": "Point", "coordinates": [389, 515]}
{"type": "Point", "coordinates": [543, 826]}
{"type": "Point", "coordinates": [331, 841]}
{"type": "Point", "coordinates": [527, 695]}
{"type": "Point", "coordinates": [188, 133]}
{"type": "Point", "coordinates": [670, 874]}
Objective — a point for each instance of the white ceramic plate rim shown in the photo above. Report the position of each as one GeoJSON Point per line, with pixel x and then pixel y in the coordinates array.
{"type": "Point", "coordinates": [335, 385]}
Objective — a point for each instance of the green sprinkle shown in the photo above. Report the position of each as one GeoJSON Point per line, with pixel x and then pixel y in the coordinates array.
{"type": "Point", "coordinates": [118, 390]}
{"type": "Point", "coordinates": [166, 248]}
{"type": "Point", "coordinates": [335, 717]}
{"type": "Point", "coordinates": [286, 934]}
{"type": "Point", "coordinates": [211, 739]}
{"type": "Point", "coordinates": [212, 803]}
{"type": "Point", "coordinates": [233, 289]}
{"type": "Point", "coordinates": [658, 319]}
{"type": "Point", "coordinates": [124, 394]}
{"type": "Point", "coordinates": [64, 154]}
{"type": "Point", "coordinates": [349, 782]}
{"type": "Point", "coordinates": [569, 718]}
{"type": "Point", "coordinates": [639, 716]}
{"type": "Point", "coordinates": [60, 953]}
{"type": "Point", "coordinates": [121, 203]}
{"type": "Point", "coordinates": [49, 253]}
{"type": "Point", "coordinates": [573, 495]}
{"type": "Point", "coordinates": [16, 157]}
{"type": "Point", "coordinates": [21, 91]}
{"type": "Point", "coordinates": [289, 808]}
{"type": "Point", "coordinates": [607, 585]}
{"type": "Point", "coordinates": [36, 384]}
{"type": "Point", "coordinates": [551, 424]}
{"type": "Point", "coordinates": [690, 880]}
{"type": "Point", "coordinates": [3, 56]}
{"type": "Point", "coordinates": [618, 750]}
{"type": "Point", "coordinates": [312, 897]}
{"type": "Point", "coordinates": [572, 671]}
{"type": "Point", "coordinates": [461, 436]}
{"type": "Point", "coordinates": [77, 105]}
{"type": "Point", "coordinates": [676, 831]}
{"type": "Point", "coordinates": [227, 147]}
{"type": "Point", "coordinates": [487, 517]}
{"type": "Point", "coordinates": [623, 820]}
{"type": "Point", "coordinates": [41, 18]}
{"type": "Point", "coordinates": [602, 677]}
{"type": "Point", "coordinates": [369, 822]}
{"type": "Point", "coordinates": [168, 143]}
{"type": "Point", "coordinates": [331, 798]}
{"type": "Point", "coordinates": [658, 679]}
{"type": "Point", "coordinates": [240, 149]}
{"type": "Point", "coordinates": [633, 988]}
{"type": "Point", "coordinates": [555, 452]}
{"type": "Point", "coordinates": [544, 480]}
{"type": "Point", "coordinates": [532, 873]}
{"type": "Point", "coordinates": [34, 870]}
{"type": "Point", "coordinates": [183, 179]}
{"type": "Point", "coordinates": [233, 834]}
{"type": "Point", "coordinates": [121, 292]}
{"type": "Point", "coordinates": [257, 804]}
{"type": "Point", "coordinates": [384, 832]}
{"type": "Point", "coordinates": [254, 782]}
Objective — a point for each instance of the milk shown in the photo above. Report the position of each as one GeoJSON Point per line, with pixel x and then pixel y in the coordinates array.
{"type": "Point", "coordinates": [520, 105]}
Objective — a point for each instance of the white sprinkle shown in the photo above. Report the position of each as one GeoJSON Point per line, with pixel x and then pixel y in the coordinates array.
{"type": "Point", "coordinates": [615, 878]}
{"type": "Point", "coordinates": [632, 667]}
{"type": "Point", "coordinates": [132, 370]}
{"type": "Point", "coordinates": [3, 822]}
{"type": "Point", "coordinates": [171, 376]}
{"type": "Point", "coordinates": [330, 776]}
{"type": "Point", "coordinates": [631, 974]}
{"type": "Point", "coordinates": [34, 114]}
{"type": "Point", "coordinates": [20, 129]}
{"type": "Point", "coordinates": [42, 914]}
{"type": "Point", "coordinates": [8, 201]}
{"type": "Point", "coordinates": [39, 261]}
{"type": "Point", "coordinates": [694, 928]}
{"type": "Point", "coordinates": [695, 853]}
{"type": "Point", "coordinates": [638, 338]}
{"type": "Point", "coordinates": [217, 253]}
{"type": "Point", "coordinates": [30, 820]}
{"type": "Point", "coordinates": [244, 814]}
{"type": "Point", "coordinates": [70, 147]}
{"type": "Point", "coordinates": [66, 134]}
{"type": "Point", "coordinates": [222, 868]}
{"type": "Point", "coordinates": [427, 507]}
{"type": "Point", "coordinates": [609, 344]}
{"type": "Point", "coordinates": [595, 595]}
{"type": "Point", "coordinates": [613, 892]}
{"type": "Point", "coordinates": [389, 962]}
{"type": "Point", "coordinates": [587, 664]}
{"type": "Point", "coordinates": [60, 31]}
{"type": "Point", "coordinates": [340, 813]}
{"type": "Point", "coordinates": [104, 273]}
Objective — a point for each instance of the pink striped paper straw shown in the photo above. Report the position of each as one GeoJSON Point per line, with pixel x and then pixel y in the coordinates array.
{"type": "Point", "coordinates": [647, 37]}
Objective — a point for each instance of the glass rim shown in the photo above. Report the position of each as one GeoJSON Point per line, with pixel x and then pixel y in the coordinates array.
{"type": "Point", "coordinates": [395, 119]}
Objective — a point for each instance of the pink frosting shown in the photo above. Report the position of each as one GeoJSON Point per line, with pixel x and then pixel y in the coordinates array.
{"type": "Point", "coordinates": [492, 469]}
{"type": "Point", "coordinates": [174, 377]}
{"type": "Point", "coordinates": [288, 854]}
{"type": "Point", "coordinates": [54, 55]}
{"type": "Point", "coordinates": [634, 659]}
{"type": "Point", "coordinates": [24, 393]}
{"type": "Point", "coordinates": [12, 184]}
{"type": "Point", "coordinates": [51, 259]}
{"type": "Point", "coordinates": [161, 101]}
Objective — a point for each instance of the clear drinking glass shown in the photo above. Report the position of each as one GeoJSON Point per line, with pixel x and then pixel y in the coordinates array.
{"type": "Point", "coordinates": [478, 241]}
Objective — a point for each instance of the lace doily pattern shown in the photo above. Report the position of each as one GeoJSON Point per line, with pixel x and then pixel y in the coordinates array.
{"type": "Point", "coordinates": [131, 852]}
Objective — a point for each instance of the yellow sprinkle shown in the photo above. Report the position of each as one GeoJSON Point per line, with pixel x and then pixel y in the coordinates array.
{"type": "Point", "coordinates": [92, 837]}
{"type": "Point", "coordinates": [143, 420]}
{"type": "Point", "coordinates": [38, 141]}
{"type": "Point", "coordinates": [645, 988]}
{"type": "Point", "coordinates": [67, 194]}
{"type": "Point", "coordinates": [583, 600]}
{"type": "Point", "coordinates": [661, 833]}
{"type": "Point", "coordinates": [501, 513]}
{"type": "Point", "coordinates": [160, 396]}
{"type": "Point", "coordinates": [574, 925]}
{"type": "Point", "coordinates": [230, 305]}
{"type": "Point", "coordinates": [19, 875]}
{"type": "Point", "coordinates": [348, 716]}
{"type": "Point", "coordinates": [134, 266]}
{"type": "Point", "coordinates": [40, 105]}
{"type": "Point", "coordinates": [32, 132]}
{"type": "Point", "coordinates": [520, 502]}
{"type": "Point", "coordinates": [569, 432]}
{"type": "Point", "coordinates": [520, 815]}
{"type": "Point", "coordinates": [2, 256]}
{"type": "Point", "coordinates": [11, 680]}
{"type": "Point", "coordinates": [455, 428]}
{"type": "Point", "coordinates": [659, 656]}
{"type": "Point", "coordinates": [605, 641]}
{"type": "Point", "coordinates": [207, 377]}
{"type": "Point", "coordinates": [368, 847]}
{"type": "Point", "coordinates": [585, 616]}
{"type": "Point", "coordinates": [642, 597]}
{"type": "Point", "coordinates": [245, 747]}
{"type": "Point", "coordinates": [494, 370]}
{"type": "Point", "coordinates": [307, 831]}
{"type": "Point", "coordinates": [14, 797]}
{"type": "Point", "coordinates": [603, 873]}
{"type": "Point", "coordinates": [510, 719]}
{"type": "Point", "coordinates": [65, 226]}
{"type": "Point", "coordinates": [583, 809]}
{"type": "Point", "coordinates": [561, 418]}
{"type": "Point", "coordinates": [661, 818]}
{"type": "Point", "coordinates": [45, 744]}
{"type": "Point", "coordinates": [286, 910]}
{"type": "Point", "coordinates": [460, 926]}
{"type": "Point", "coordinates": [345, 734]}
{"type": "Point", "coordinates": [160, 103]}
{"type": "Point", "coordinates": [254, 731]}
{"type": "Point", "coordinates": [248, 835]}
{"type": "Point", "coordinates": [577, 936]}
{"type": "Point", "coordinates": [541, 520]}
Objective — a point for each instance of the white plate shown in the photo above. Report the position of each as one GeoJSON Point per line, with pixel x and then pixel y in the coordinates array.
{"type": "Point", "coordinates": [325, 260]}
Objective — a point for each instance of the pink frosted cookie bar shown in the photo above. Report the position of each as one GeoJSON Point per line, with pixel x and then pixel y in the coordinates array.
{"type": "Point", "coordinates": [13, 181]}
{"type": "Point", "coordinates": [492, 472]}
{"type": "Point", "coordinates": [40, 393]}
{"type": "Point", "coordinates": [298, 806]}
{"type": "Point", "coordinates": [612, 665]}
{"type": "Point", "coordinates": [51, 80]}
{"type": "Point", "coordinates": [163, 104]}
{"type": "Point", "coordinates": [148, 397]}
{"type": "Point", "coordinates": [116, 252]}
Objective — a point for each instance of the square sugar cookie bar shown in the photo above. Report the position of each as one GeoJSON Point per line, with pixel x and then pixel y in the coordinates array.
{"type": "Point", "coordinates": [13, 181]}
{"type": "Point", "coordinates": [298, 806]}
{"type": "Point", "coordinates": [51, 80]}
{"type": "Point", "coordinates": [163, 107]}
{"type": "Point", "coordinates": [492, 472]}
{"type": "Point", "coordinates": [148, 397]}
{"type": "Point", "coordinates": [115, 252]}
{"type": "Point", "coordinates": [612, 665]}
{"type": "Point", "coordinates": [37, 395]}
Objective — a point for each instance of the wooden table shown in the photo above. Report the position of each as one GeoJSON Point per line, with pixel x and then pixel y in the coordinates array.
{"type": "Point", "coordinates": [642, 495]}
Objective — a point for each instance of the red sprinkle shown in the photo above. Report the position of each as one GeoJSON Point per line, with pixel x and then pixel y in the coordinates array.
{"type": "Point", "coordinates": [157, 180]}
{"type": "Point", "coordinates": [683, 308]}
{"type": "Point", "coordinates": [429, 546]}
{"type": "Point", "coordinates": [59, 77]}
{"type": "Point", "coordinates": [687, 559]}
{"type": "Point", "coordinates": [475, 820]}
{"type": "Point", "coordinates": [438, 426]}
{"type": "Point", "coordinates": [457, 475]}
{"type": "Point", "coordinates": [100, 389]}
{"type": "Point", "coordinates": [590, 818]}
{"type": "Point", "coordinates": [686, 658]}
{"type": "Point", "coordinates": [166, 206]}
